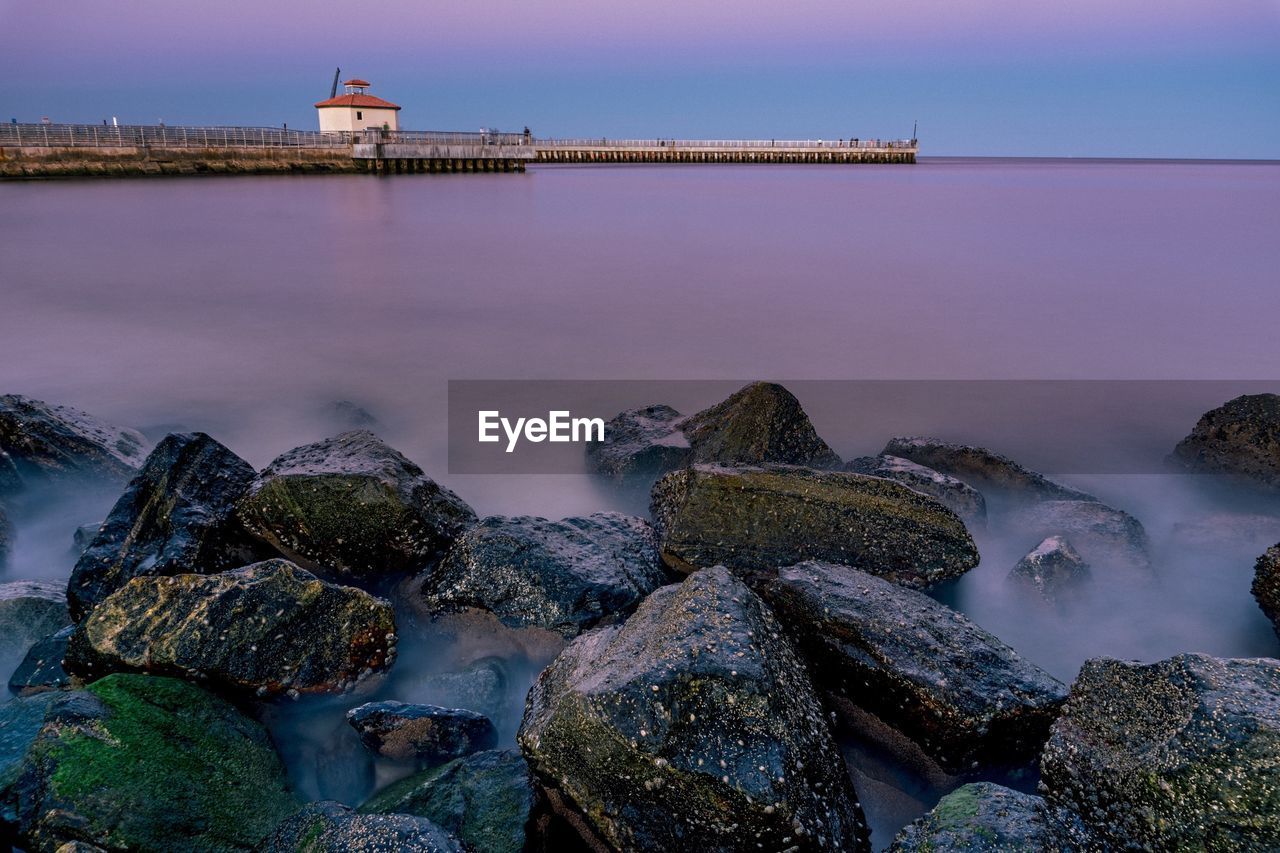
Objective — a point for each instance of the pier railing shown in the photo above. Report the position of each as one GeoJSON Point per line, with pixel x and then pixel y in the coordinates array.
{"type": "Point", "coordinates": [598, 142]}
{"type": "Point", "coordinates": [179, 136]}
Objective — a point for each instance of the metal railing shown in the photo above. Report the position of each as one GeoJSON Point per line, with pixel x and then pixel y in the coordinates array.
{"type": "Point", "coordinates": [163, 136]}
{"type": "Point", "coordinates": [605, 142]}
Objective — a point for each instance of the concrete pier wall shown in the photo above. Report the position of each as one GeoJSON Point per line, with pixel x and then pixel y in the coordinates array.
{"type": "Point", "coordinates": [80, 161]}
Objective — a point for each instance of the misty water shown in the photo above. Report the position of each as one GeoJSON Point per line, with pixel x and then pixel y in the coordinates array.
{"type": "Point", "coordinates": [245, 307]}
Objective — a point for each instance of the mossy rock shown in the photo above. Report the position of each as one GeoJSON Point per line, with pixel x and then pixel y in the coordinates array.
{"type": "Point", "coordinates": [985, 816]}
{"type": "Point", "coordinates": [138, 762]}
{"type": "Point", "coordinates": [329, 827]}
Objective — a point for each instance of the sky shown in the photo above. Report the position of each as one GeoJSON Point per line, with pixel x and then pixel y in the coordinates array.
{"type": "Point", "coordinates": [1123, 78]}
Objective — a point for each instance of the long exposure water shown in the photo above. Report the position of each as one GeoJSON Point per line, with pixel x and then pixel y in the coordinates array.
{"type": "Point", "coordinates": [244, 307]}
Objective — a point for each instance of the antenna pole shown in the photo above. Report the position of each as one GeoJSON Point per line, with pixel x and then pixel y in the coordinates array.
{"type": "Point", "coordinates": [333, 90]}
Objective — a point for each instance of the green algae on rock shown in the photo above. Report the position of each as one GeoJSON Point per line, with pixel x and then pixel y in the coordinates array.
{"type": "Point", "coordinates": [1179, 754]}
{"type": "Point", "coordinates": [270, 627]}
{"type": "Point", "coordinates": [692, 726]}
{"type": "Point", "coordinates": [329, 827]}
{"type": "Point", "coordinates": [175, 517]}
{"type": "Point", "coordinates": [139, 763]}
{"type": "Point", "coordinates": [353, 510]}
{"type": "Point", "coordinates": [486, 799]}
{"type": "Point", "coordinates": [761, 518]}
{"type": "Point", "coordinates": [986, 816]}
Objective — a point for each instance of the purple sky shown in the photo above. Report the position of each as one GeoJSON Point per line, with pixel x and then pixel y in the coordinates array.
{"type": "Point", "coordinates": [1186, 78]}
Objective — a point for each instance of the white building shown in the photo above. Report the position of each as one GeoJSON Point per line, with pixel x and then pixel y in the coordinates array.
{"type": "Point", "coordinates": [356, 109]}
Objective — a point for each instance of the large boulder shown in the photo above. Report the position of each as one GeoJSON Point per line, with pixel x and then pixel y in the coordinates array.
{"type": "Point", "coordinates": [29, 612]}
{"type": "Point", "coordinates": [760, 423]}
{"type": "Point", "coordinates": [1266, 585]}
{"type": "Point", "coordinates": [10, 479]}
{"type": "Point", "coordinates": [1053, 570]}
{"type": "Point", "coordinates": [986, 816]}
{"type": "Point", "coordinates": [958, 496]}
{"type": "Point", "coordinates": [1240, 439]}
{"type": "Point", "coordinates": [135, 762]}
{"type": "Point", "coordinates": [271, 628]}
{"type": "Point", "coordinates": [692, 726]}
{"type": "Point", "coordinates": [352, 509]}
{"type": "Point", "coordinates": [562, 575]}
{"type": "Point", "coordinates": [47, 443]}
{"type": "Point", "coordinates": [964, 696]}
{"type": "Point", "coordinates": [175, 517]}
{"type": "Point", "coordinates": [329, 827]}
{"type": "Point", "coordinates": [1104, 536]}
{"type": "Point", "coordinates": [423, 734]}
{"type": "Point", "coordinates": [764, 517]}
{"type": "Point", "coordinates": [486, 799]}
{"type": "Point", "coordinates": [1175, 755]}
{"type": "Point", "coordinates": [42, 669]}
{"type": "Point", "coordinates": [983, 469]}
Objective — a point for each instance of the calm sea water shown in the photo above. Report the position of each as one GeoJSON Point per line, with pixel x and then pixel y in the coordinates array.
{"type": "Point", "coordinates": [244, 306]}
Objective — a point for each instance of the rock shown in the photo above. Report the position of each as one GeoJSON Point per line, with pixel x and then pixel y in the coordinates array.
{"type": "Point", "coordinates": [982, 469]}
{"type": "Point", "coordinates": [329, 827]}
{"type": "Point", "coordinates": [80, 847]}
{"type": "Point", "coordinates": [692, 726]}
{"type": "Point", "coordinates": [352, 509]}
{"type": "Point", "coordinates": [29, 612]}
{"type": "Point", "coordinates": [562, 575]}
{"type": "Point", "coordinates": [137, 762]}
{"type": "Point", "coordinates": [765, 517]}
{"type": "Point", "coordinates": [964, 696]}
{"type": "Point", "coordinates": [1266, 585]}
{"type": "Point", "coordinates": [1053, 570]}
{"type": "Point", "coordinates": [344, 769]}
{"type": "Point", "coordinates": [47, 443]}
{"type": "Point", "coordinates": [955, 495]}
{"type": "Point", "coordinates": [1179, 754]}
{"type": "Point", "coordinates": [41, 669]}
{"type": "Point", "coordinates": [481, 687]}
{"type": "Point", "coordinates": [760, 423]}
{"type": "Point", "coordinates": [10, 479]}
{"type": "Point", "coordinates": [425, 734]}
{"type": "Point", "coordinates": [986, 816]}
{"type": "Point", "coordinates": [486, 800]}
{"type": "Point", "coordinates": [1102, 535]}
{"type": "Point", "coordinates": [1240, 439]}
{"type": "Point", "coordinates": [84, 536]}
{"type": "Point", "coordinates": [270, 627]}
{"type": "Point", "coordinates": [175, 517]}
{"type": "Point", "coordinates": [6, 537]}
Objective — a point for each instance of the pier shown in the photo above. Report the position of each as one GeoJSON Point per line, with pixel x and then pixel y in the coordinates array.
{"type": "Point", "coordinates": [54, 150]}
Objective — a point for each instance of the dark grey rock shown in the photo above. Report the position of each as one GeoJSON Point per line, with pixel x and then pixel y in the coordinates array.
{"type": "Point", "coordinates": [986, 816]}
{"type": "Point", "coordinates": [271, 628]}
{"type": "Point", "coordinates": [764, 517]}
{"type": "Point", "coordinates": [1266, 585]}
{"type": "Point", "coordinates": [964, 696]}
{"type": "Point", "coordinates": [6, 537]}
{"type": "Point", "coordinates": [1104, 536]}
{"type": "Point", "coordinates": [10, 479]}
{"type": "Point", "coordinates": [562, 575]}
{"type": "Point", "coordinates": [961, 498]}
{"type": "Point", "coordinates": [424, 734]}
{"type": "Point", "coordinates": [982, 469]}
{"type": "Point", "coordinates": [692, 726]}
{"type": "Point", "coordinates": [1053, 570]}
{"type": "Point", "coordinates": [175, 517]}
{"type": "Point", "coordinates": [1240, 439]}
{"type": "Point", "coordinates": [41, 669]}
{"type": "Point", "coordinates": [1175, 755]}
{"type": "Point", "coordinates": [760, 423]}
{"type": "Point", "coordinates": [486, 800]}
{"type": "Point", "coordinates": [29, 612]}
{"type": "Point", "coordinates": [329, 827]}
{"type": "Point", "coordinates": [84, 536]}
{"type": "Point", "coordinates": [49, 443]}
{"type": "Point", "coordinates": [352, 509]}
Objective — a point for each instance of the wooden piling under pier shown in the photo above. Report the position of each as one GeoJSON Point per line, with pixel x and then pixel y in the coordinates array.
{"type": "Point", "coordinates": [730, 151]}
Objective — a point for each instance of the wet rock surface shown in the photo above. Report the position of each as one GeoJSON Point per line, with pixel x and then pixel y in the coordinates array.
{"type": "Point", "coordinates": [964, 696]}
{"type": "Point", "coordinates": [760, 423]}
{"type": "Point", "coordinates": [986, 816]}
{"type": "Point", "coordinates": [352, 509]}
{"type": "Point", "coordinates": [982, 469]}
{"type": "Point", "coordinates": [29, 612]}
{"type": "Point", "coordinates": [486, 800]}
{"type": "Point", "coordinates": [271, 628]}
{"type": "Point", "coordinates": [562, 575]}
{"type": "Point", "coordinates": [329, 827]}
{"type": "Point", "coordinates": [1052, 570]}
{"type": "Point", "coordinates": [1179, 754]}
{"type": "Point", "coordinates": [1266, 585]}
{"type": "Point", "coordinates": [175, 517]}
{"type": "Point", "coordinates": [137, 762]}
{"type": "Point", "coordinates": [766, 517]}
{"type": "Point", "coordinates": [692, 726]}
{"type": "Point", "coordinates": [51, 443]}
{"type": "Point", "coordinates": [1240, 439]}
{"type": "Point", "coordinates": [1104, 536]}
{"type": "Point", "coordinates": [10, 479]}
{"type": "Point", "coordinates": [41, 668]}
{"type": "Point", "coordinates": [961, 498]}
{"type": "Point", "coordinates": [6, 537]}
{"type": "Point", "coordinates": [423, 734]}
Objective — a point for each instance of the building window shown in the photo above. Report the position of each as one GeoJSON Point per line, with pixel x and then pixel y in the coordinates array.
{"type": "Point", "coordinates": [359, 115]}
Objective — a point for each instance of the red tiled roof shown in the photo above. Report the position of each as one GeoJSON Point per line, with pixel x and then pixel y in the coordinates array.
{"type": "Point", "coordinates": [367, 101]}
{"type": "Point", "coordinates": [356, 81]}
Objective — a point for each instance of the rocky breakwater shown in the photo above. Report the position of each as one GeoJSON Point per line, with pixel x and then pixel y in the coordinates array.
{"type": "Point", "coordinates": [1239, 440]}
